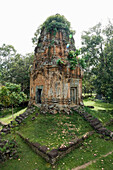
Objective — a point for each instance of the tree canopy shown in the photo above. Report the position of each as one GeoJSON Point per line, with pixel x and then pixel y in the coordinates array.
{"type": "Point", "coordinates": [11, 95]}
{"type": "Point", "coordinates": [97, 50]}
{"type": "Point", "coordinates": [14, 67]}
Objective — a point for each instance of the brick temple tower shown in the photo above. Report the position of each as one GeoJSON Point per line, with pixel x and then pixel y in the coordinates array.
{"type": "Point", "coordinates": [52, 82]}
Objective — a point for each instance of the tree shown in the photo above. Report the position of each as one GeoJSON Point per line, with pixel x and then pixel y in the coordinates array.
{"type": "Point", "coordinates": [92, 46]}
{"type": "Point", "coordinates": [4, 96]}
{"type": "Point", "coordinates": [14, 67]}
{"type": "Point", "coordinates": [11, 95]}
{"type": "Point", "coordinates": [92, 51]}
{"type": "Point", "coordinates": [6, 52]}
{"type": "Point", "coordinates": [104, 79]}
{"type": "Point", "coordinates": [97, 51]}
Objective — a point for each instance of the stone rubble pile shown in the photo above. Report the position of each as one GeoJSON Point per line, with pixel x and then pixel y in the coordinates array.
{"type": "Point", "coordinates": [7, 150]}
{"type": "Point", "coordinates": [53, 109]}
{"type": "Point", "coordinates": [7, 147]}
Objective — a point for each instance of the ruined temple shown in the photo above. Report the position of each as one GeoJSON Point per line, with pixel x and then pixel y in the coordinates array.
{"type": "Point", "coordinates": [52, 82]}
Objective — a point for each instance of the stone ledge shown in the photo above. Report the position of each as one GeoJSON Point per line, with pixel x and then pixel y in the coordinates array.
{"type": "Point", "coordinates": [55, 154]}
{"type": "Point", "coordinates": [94, 122]}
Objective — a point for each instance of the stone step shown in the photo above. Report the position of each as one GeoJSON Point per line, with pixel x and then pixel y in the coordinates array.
{"type": "Point", "coordinates": [89, 118]}
{"type": "Point", "coordinates": [18, 121]}
{"type": "Point", "coordinates": [102, 130]}
{"type": "Point", "coordinates": [95, 123]}
{"type": "Point", "coordinates": [5, 130]}
{"type": "Point", "coordinates": [22, 115]}
{"type": "Point", "coordinates": [97, 126]}
{"type": "Point", "coordinates": [95, 120]}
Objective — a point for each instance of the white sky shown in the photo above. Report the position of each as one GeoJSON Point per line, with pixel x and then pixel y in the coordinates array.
{"type": "Point", "coordinates": [19, 19]}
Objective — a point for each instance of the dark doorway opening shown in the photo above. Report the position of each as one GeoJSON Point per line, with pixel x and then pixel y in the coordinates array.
{"type": "Point", "coordinates": [39, 91]}
{"type": "Point", "coordinates": [73, 95]}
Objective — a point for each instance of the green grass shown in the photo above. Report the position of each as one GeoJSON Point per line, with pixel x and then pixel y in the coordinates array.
{"type": "Point", "coordinates": [93, 148]}
{"type": "Point", "coordinates": [103, 111]}
{"type": "Point", "coordinates": [7, 119]}
{"type": "Point", "coordinates": [54, 130]}
{"type": "Point", "coordinates": [48, 129]}
{"type": "Point", "coordinates": [8, 111]}
{"type": "Point", "coordinates": [102, 163]}
{"type": "Point", "coordinates": [98, 105]}
{"type": "Point", "coordinates": [28, 160]}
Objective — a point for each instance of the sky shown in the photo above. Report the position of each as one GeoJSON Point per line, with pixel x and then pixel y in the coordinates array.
{"type": "Point", "coordinates": [19, 19]}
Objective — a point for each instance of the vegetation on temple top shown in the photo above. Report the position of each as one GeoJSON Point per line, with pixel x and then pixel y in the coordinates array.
{"type": "Point", "coordinates": [75, 60]}
{"type": "Point", "coordinates": [53, 23]}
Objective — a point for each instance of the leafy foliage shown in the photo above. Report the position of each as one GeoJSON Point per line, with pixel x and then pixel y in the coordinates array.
{"type": "Point", "coordinates": [104, 79]}
{"type": "Point", "coordinates": [53, 24]}
{"type": "Point", "coordinates": [74, 60]}
{"type": "Point", "coordinates": [14, 67]}
{"type": "Point", "coordinates": [11, 94]}
{"type": "Point", "coordinates": [97, 51]}
{"type": "Point", "coordinates": [60, 62]}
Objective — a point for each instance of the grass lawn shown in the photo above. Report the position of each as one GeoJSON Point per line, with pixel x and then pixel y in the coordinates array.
{"type": "Point", "coordinates": [103, 163]}
{"type": "Point", "coordinates": [98, 105]}
{"type": "Point", "coordinates": [54, 130]}
{"type": "Point", "coordinates": [8, 111]}
{"type": "Point", "coordinates": [8, 118]}
{"type": "Point", "coordinates": [103, 111]}
{"type": "Point", "coordinates": [93, 148]}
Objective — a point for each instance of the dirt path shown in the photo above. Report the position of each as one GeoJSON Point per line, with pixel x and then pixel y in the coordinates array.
{"type": "Point", "coordinates": [93, 161]}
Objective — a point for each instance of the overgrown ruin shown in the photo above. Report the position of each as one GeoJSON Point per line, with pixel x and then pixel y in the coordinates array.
{"type": "Point", "coordinates": [52, 82]}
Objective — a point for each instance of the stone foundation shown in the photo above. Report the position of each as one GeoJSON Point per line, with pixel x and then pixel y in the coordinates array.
{"type": "Point", "coordinates": [55, 154]}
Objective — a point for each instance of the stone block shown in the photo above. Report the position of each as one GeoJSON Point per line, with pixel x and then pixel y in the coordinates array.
{"type": "Point", "coordinates": [95, 123]}
{"type": "Point", "coordinates": [51, 106]}
{"type": "Point", "coordinates": [4, 130]}
{"type": "Point", "coordinates": [88, 116]}
{"type": "Point", "coordinates": [33, 118]}
{"type": "Point", "coordinates": [36, 114]}
{"type": "Point", "coordinates": [95, 120]}
{"type": "Point", "coordinates": [53, 153]}
{"type": "Point", "coordinates": [20, 118]}
{"type": "Point", "coordinates": [22, 115]}
{"type": "Point", "coordinates": [107, 132]}
{"type": "Point", "coordinates": [101, 130]}
{"type": "Point", "coordinates": [37, 145]}
{"type": "Point", "coordinates": [97, 126]}
{"type": "Point", "coordinates": [18, 121]}
{"type": "Point", "coordinates": [43, 148]}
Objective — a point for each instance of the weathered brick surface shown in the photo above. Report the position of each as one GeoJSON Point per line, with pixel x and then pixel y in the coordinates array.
{"type": "Point", "coordinates": [55, 81]}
